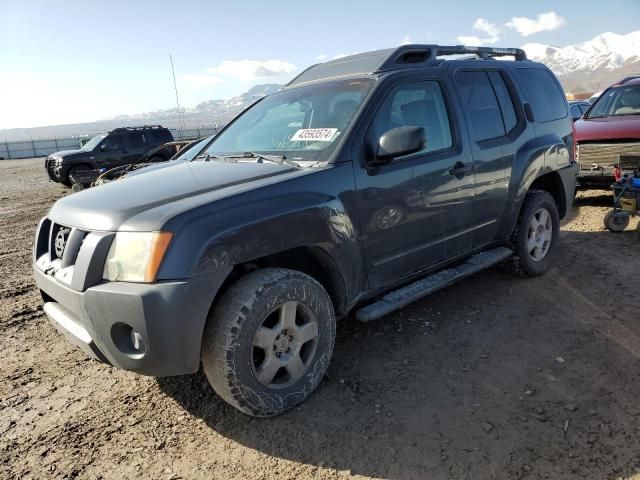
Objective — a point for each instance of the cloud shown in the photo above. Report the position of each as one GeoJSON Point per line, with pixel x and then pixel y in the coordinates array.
{"type": "Point", "coordinates": [492, 32]}
{"type": "Point", "coordinates": [484, 25]}
{"type": "Point", "coordinates": [251, 70]}
{"type": "Point", "coordinates": [200, 80]}
{"type": "Point", "coordinates": [544, 22]}
{"type": "Point", "coordinates": [406, 40]}
{"type": "Point", "coordinates": [321, 57]}
{"type": "Point", "coordinates": [470, 40]}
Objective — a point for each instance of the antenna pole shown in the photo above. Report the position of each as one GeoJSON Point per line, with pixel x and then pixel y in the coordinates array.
{"type": "Point", "coordinates": [175, 86]}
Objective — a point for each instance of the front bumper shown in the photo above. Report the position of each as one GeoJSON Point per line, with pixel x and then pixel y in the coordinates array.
{"type": "Point", "coordinates": [55, 170]}
{"type": "Point", "coordinates": [100, 317]}
{"type": "Point", "coordinates": [169, 316]}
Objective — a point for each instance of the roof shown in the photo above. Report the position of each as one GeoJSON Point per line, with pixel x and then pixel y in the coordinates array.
{"type": "Point", "coordinates": [404, 57]}
{"type": "Point", "coordinates": [632, 80]}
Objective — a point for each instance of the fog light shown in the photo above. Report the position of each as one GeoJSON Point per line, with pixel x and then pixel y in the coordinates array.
{"type": "Point", "coordinates": [137, 341]}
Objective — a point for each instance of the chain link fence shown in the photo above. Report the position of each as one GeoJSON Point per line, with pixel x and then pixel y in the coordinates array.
{"type": "Point", "coordinates": [42, 148]}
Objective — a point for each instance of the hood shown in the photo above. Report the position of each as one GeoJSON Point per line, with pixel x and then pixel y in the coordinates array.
{"type": "Point", "coordinates": [608, 128]}
{"type": "Point", "coordinates": [69, 153]}
{"type": "Point", "coordinates": [146, 202]}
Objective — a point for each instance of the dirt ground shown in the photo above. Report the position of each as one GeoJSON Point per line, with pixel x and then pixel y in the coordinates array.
{"type": "Point", "coordinates": [495, 377]}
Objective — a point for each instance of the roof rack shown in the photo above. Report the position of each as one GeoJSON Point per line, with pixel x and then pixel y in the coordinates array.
{"type": "Point", "coordinates": [141, 127]}
{"type": "Point", "coordinates": [405, 56]}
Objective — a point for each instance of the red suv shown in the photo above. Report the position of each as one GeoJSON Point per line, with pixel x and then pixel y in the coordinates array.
{"type": "Point", "coordinates": [608, 135]}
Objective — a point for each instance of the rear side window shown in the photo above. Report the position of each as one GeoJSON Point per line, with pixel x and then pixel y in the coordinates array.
{"type": "Point", "coordinates": [505, 101]}
{"type": "Point", "coordinates": [480, 103]}
{"type": "Point", "coordinates": [161, 136]}
{"type": "Point", "coordinates": [543, 93]}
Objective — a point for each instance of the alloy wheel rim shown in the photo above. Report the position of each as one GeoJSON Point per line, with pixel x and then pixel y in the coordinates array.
{"type": "Point", "coordinates": [284, 345]}
{"type": "Point", "coordinates": [539, 234]}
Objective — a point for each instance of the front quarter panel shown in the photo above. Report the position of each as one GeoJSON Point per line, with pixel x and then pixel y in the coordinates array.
{"type": "Point", "coordinates": [309, 210]}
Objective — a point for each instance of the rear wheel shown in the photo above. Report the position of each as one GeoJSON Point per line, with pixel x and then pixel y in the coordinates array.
{"type": "Point", "coordinates": [616, 221]}
{"type": "Point", "coordinates": [268, 341]}
{"type": "Point", "coordinates": [536, 236]}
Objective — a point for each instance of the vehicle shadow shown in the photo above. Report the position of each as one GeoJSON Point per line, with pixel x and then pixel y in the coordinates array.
{"type": "Point", "coordinates": [485, 379]}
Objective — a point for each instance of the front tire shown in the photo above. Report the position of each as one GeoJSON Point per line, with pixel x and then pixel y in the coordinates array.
{"type": "Point", "coordinates": [73, 171]}
{"type": "Point", "coordinates": [268, 341]}
{"type": "Point", "coordinates": [536, 236]}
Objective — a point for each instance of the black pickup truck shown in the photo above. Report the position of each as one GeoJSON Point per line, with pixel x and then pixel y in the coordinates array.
{"type": "Point", "coordinates": [364, 184]}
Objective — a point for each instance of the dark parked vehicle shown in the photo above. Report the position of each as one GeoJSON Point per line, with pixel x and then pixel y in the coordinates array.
{"type": "Point", "coordinates": [608, 136]}
{"type": "Point", "coordinates": [118, 147]}
{"type": "Point", "coordinates": [178, 150]}
{"type": "Point", "coordinates": [578, 108]}
{"type": "Point", "coordinates": [364, 184]}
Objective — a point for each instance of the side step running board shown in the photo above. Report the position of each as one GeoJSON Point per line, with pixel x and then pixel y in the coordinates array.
{"type": "Point", "coordinates": [428, 285]}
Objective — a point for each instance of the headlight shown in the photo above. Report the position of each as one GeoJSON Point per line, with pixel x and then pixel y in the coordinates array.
{"type": "Point", "coordinates": [136, 256]}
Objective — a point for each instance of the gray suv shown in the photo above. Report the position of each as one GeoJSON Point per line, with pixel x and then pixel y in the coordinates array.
{"type": "Point", "coordinates": [366, 183]}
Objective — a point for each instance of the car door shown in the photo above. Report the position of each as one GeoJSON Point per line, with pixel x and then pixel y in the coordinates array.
{"type": "Point", "coordinates": [138, 143]}
{"type": "Point", "coordinates": [408, 207]}
{"type": "Point", "coordinates": [111, 151]}
{"type": "Point", "coordinates": [494, 127]}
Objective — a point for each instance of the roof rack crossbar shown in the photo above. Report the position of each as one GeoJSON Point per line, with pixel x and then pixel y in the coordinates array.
{"type": "Point", "coordinates": [423, 55]}
{"type": "Point", "coordinates": [482, 52]}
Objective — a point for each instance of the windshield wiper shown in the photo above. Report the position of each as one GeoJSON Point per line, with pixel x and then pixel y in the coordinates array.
{"type": "Point", "coordinates": [209, 156]}
{"type": "Point", "coordinates": [280, 159]}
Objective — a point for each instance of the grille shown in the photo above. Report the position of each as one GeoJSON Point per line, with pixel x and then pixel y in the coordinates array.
{"type": "Point", "coordinates": [605, 154]}
{"type": "Point", "coordinates": [49, 164]}
{"type": "Point", "coordinates": [60, 242]}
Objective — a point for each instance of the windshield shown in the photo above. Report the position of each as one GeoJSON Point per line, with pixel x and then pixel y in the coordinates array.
{"type": "Point", "coordinates": [617, 101]}
{"type": "Point", "coordinates": [91, 144]}
{"type": "Point", "coordinates": [304, 123]}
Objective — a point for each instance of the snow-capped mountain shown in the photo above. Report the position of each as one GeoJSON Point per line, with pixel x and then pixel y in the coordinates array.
{"type": "Point", "coordinates": [608, 51]}
{"type": "Point", "coordinates": [211, 108]}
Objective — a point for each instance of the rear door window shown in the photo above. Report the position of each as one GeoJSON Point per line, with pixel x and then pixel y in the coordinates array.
{"type": "Point", "coordinates": [138, 140]}
{"type": "Point", "coordinates": [543, 94]}
{"type": "Point", "coordinates": [481, 105]}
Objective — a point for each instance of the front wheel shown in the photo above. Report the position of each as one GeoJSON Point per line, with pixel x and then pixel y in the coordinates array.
{"type": "Point", "coordinates": [536, 236]}
{"type": "Point", "coordinates": [268, 341]}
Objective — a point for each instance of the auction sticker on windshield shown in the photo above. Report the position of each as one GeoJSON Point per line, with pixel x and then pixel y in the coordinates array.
{"type": "Point", "coordinates": [315, 134]}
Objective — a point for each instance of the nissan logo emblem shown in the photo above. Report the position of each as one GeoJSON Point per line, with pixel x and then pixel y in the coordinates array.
{"type": "Point", "coordinates": [60, 241]}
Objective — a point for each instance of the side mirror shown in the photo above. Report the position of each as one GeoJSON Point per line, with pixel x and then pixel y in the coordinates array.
{"type": "Point", "coordinates": [104, 147]}
{"type": "Point", "coordinates": [400, 141]}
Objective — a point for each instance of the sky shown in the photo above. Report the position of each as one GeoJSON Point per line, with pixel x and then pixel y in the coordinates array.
{"type": "Point", "coordinates": [69, 61]}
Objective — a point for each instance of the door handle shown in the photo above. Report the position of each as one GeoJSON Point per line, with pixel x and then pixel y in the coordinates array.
{"type": "Point", "coordinates": [460, 169]}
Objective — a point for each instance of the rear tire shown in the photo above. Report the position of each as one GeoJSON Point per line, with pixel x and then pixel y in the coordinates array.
{"type": "Point", "coordinates": [268, 341]}
{"type": "Point", "coordinates": [535, 238]}
{"type": "Point", "coordinates": [615, 222]}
